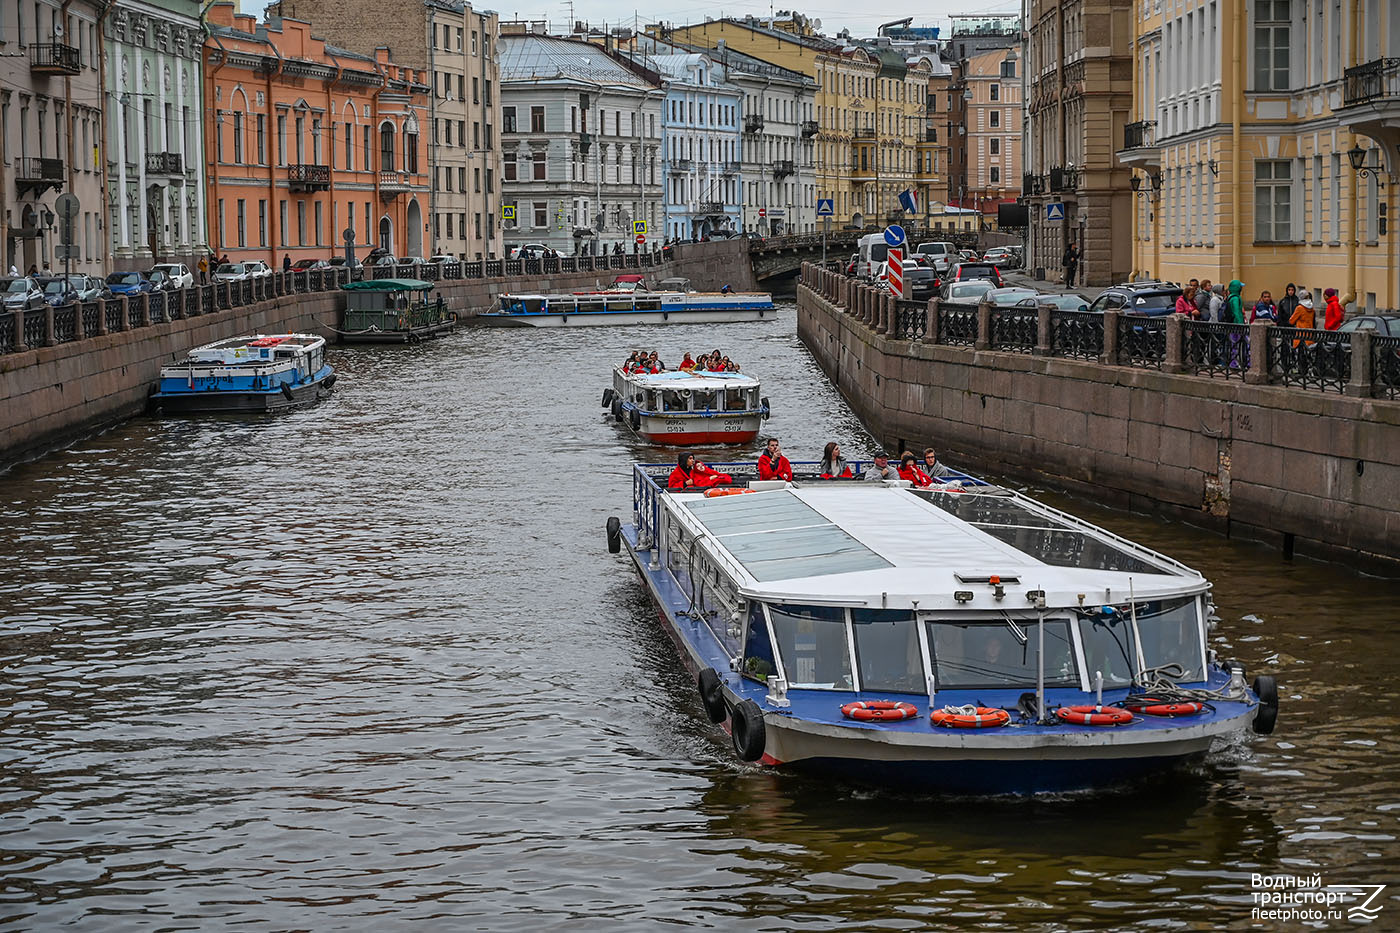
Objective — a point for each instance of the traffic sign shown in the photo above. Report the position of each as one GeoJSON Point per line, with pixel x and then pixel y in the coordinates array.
{"type": "Point", "coordinates": [894, 275]}
{"type": "Point", "coordinates": [67, 207]}
{"type": "Point", "coordinates": [1055, 210]}
{"type": "Point", "coordinates": [639, 227]}
{"type": "Point", "coordinates": [826, 207]}
{"type": "Point", "coordinates": [763, 212]}
{"type": "Point", "coordinates": [641, 238]}
{"type": "Point", "coordinates": [507, 211]}
{"type": "Point", "coordinates": [894, 235]}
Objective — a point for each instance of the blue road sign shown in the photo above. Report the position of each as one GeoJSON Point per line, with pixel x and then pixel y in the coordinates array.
{"type": "Point", "coordinates": [894, 235]}
{"type": "Point", "coordinates": [826, 207]}
{"type": "Point", "coordinates": [1055, 210]}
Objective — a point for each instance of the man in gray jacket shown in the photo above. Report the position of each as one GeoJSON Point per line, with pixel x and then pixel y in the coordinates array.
{"type": "Point", "coordinates": [882, 470]}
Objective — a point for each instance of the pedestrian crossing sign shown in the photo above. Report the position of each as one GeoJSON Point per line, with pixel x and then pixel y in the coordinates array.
{"type": "Point", "coordinates": [1055, 210]}
{"type": "Point", "coordinates": [507, 211]}
{"type": "Point", "coordinates": [639, 227]}
{"type": "Point", "coordinates": [826, 207]}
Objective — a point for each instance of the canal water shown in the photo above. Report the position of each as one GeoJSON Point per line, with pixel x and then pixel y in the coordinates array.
{"type": "Point", "coordinates": [370, 663]}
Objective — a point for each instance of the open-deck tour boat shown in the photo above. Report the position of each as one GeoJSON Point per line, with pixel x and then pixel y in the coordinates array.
{"type": "Point", "coordinates": [685, 408]}
{"type": "Point", "coordinates": [629, 303]}
{"type": "Point", "coordinates": [960, 637]}
{"type": "Point", "coordinates": [258, 373]}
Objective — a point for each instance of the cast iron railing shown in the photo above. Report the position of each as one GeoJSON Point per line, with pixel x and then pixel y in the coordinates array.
{"type": "Point", "coordinates": [1076, 334]}
{"type": "Point", "coordinates": [957, 324]}
{"type": "Point", "coordinates": [1142, 341]}
{"type": "Point", "coordinates": [1320, 360]}
{"type": "Point", "coordinates": [1206, 348]}
{"type": "Point", "coordinates": [1015, 329]}
{"type": "Point", "coordinates": [1385, 366]}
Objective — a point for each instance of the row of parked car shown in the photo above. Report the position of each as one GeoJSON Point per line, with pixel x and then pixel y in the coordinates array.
{"type": "Point", "coordinates": [31, 292]}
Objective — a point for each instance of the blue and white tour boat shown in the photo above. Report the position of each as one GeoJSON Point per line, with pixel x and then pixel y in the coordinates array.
{"type": "Point", "coordinates": [960, 637]}
{"type": "Point", "coordinates": [257, 373]}
{"type": "Point", "coordinates": [629, 306]}
{"type": "Point", "coordinates": [683, 408]}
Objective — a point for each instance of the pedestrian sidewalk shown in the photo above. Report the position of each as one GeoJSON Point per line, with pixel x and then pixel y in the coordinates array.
{"type": "Point", "coordinates": [1021, 278]}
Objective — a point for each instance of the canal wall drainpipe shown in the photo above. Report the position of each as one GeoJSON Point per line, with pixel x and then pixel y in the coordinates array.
{"type": "Point", "coordinates": [1353, 22]}
{"type": "Point", "coordinates": [1236, 100]}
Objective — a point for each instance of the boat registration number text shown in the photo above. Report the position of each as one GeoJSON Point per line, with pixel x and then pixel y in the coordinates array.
{"type": "Point", "coordinates": [682, 427]}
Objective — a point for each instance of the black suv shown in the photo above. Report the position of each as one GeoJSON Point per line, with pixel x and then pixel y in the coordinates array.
{"type": "Point", "coordinates": [975, 270]}
{"type": "Point", "coordinates": [1149, 299]}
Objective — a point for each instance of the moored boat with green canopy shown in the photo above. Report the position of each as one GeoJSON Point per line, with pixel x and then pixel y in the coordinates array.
{"type": "Point", "coordinates": [393, 311]}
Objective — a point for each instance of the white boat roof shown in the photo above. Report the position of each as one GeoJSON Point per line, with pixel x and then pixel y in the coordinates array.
{"type": "Point", "coordinates": [886, 546]}
{"type": "Point", "coordinates": [678, 379]}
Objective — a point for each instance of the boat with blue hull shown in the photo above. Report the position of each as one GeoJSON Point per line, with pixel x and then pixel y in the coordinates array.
{"type": "Point", "coordinates": [959, 637]}
{"type": "Point", "coordinates": [253, 373]}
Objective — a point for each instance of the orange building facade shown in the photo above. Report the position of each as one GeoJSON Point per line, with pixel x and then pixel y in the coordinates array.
{"type": "Point", "coordinates": [306, 143]}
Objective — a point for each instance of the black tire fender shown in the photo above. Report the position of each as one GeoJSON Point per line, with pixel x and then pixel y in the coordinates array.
{"type": "Point", "coordinates": [712, 694]}
{"type": "Point", "coordinates": [287, 391]}
{"type": "Point", "coordinates": [614, 534]}
{"type": "Point", "coordinates": [607, 397]}
{"type": "Point", "coordinates": [767, 409]}
{"type": "Point", "coordinates": [634, 417]}
{"type": "Point", "coordinates": [747, 730]}
{"type": "Point", "coordinates": [1266, 689]}
{"type": "Point", "coordinates": [329, 381]}
{"type": "Point", "coordinates": [617, 409]}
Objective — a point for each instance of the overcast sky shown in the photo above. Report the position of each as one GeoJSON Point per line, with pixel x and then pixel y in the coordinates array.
{"type": "Point", "coordinates": [862, 21]}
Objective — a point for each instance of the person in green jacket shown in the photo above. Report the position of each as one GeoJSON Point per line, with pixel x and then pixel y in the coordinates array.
{"type": "Point", "coordinates": [1233, 313]}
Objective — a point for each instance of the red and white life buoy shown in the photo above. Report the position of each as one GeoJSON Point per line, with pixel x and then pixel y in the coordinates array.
{"type": "Point", "coordinates": [970, 717]}
{"type": "Point", "coordinates": [1094, 715]}
{"type": "Point", "coordinates": [879, 711]}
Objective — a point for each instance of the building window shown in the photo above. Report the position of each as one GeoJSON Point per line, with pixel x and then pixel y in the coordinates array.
{"type": "Point", "coordinates": [995, 175]}
{"type": "Point", "coordinates": [538, 173]}
{"type": "Point", "coordinates": [508, 166]}
{"type": "Point", "coordinates": [366, 165]}
{"type": "Point", "coordinates": [410, 151]}
{"type": "Point", "coordinates": [461, 178]}
{"type": "Point", "coordinates": [282, 225]}
{"type": "Point", "coordinates": [996, 91]}
{"type": "Point", "coordinates": [994, 118]}
{"type": "Point", "coordinates": [476, 180]}
{"type": "Point", "coordinates": [1273, 201]}
{"type": "Point", "coordinates": [301, 223]}
{"type": "Point", "coordinates": [262, 139]}
{"type": "Point", "coordinates": [536, 119]}
{"type": "Point", "coordinates": [262, 223]}
{"type": "Point", "coordinates": [995, 146]}
{"type": "Point", "coordinates": [1271, 21]}
{"type": "Point", "coordinates": [386, 147]}
{"type": "Point", "coordinates": [541, 213]}
{"type": "Point", "coordinates": [349, 158]}
{"type": "Point", "coordinates": [301, 140]}
{"type": "Point", "coordinates": [242, 223]}
{"type": "Point", "coordinates": [316, 141]}
{"type": "Point", "coordinates": [507, 120]}
{"type": "Point", "coordinates": [490, 181]}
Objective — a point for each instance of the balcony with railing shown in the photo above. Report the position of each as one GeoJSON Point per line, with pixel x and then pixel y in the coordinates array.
{"type": "Point", "coordinates": [164, 163]}
{"type": "Point", "coordinates": [681, 165]}
{"type": "Point", "coordinates": [39, 175]}
{"type": "Point", "coordinates": [809, 129]}
{"type": "Point", "coordinates": [1371, 101]}
{"type": "Point", "coordinates": [54, 58]}
{"type": "Point", "coordinates": [709, 207]}
{"type": "Point", "coordinates": [1140, 147]}
{"type": "Point", "coordinates": [392, 184]}
{"type": "Point", "coordinates": [865, 132]}
{"type": "Point", "coordinates": [753, 123]}
{"type": "Point", "coordinates": [782, 168]}
{"type": "Point", "coordinates": [729, 168]}
{"type": "Point", "coordinates": [316, 177]}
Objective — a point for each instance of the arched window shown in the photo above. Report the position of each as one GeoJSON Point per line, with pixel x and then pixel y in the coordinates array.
{"type": "Point", "coordinates": [410, 152]}
{"type": "Point", "coordinates": [386, 147]}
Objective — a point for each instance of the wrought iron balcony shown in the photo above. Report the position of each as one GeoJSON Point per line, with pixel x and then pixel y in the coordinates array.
{"type": "Point", "coordinates": [39, 175]}
{"type": "Point", "coordinates": [1376, 80]}
{"type": "Point", "coordinates": [865, 132]}
{"type": "Point", "coordinates": [164, 163]}
{"type": "Point", "coordinates": [809, 129]}
{"type": "Point", "coordinates": [316, 177]}
{"type": "Point", "coordinates": [54, 58]}
{"type": "Point", "coordinates": [729, 168]}
{"type": "Point", "coordinates": [782, 168]}
{"type": "Point", "coordinates": [710, 207]}
{"type": "Point", "coordinates": [753, 123]}
{"type": "Point", "coordinates": [1140, 135]}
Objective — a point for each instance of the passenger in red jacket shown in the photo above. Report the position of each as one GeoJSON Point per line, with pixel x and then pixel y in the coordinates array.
{"type": "Point", "coordinates": [692, 474]}
{"type": "Point", "coordinates": [772, 464]}
{"type": "Point", "coordinates": [909, 469]}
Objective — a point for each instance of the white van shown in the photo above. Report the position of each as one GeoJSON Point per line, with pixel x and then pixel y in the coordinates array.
{"type": "Point", "coordinates": [872, 250]}
{"type": "Point", "coordinates": [941, 256]}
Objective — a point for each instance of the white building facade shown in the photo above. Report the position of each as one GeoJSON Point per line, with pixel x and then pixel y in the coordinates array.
{"type": "Point", "coordinates": [701, 147]}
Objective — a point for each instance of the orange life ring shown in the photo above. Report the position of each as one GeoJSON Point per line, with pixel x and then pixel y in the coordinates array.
{"type": "Point", "coordinates": [715, 493]}
{"type": "Point", "coordinates": [1158, 706]}
{"type": "Point", "coordinates": [986, 717]}
{"type": "Point", "coordinates": [1094, 715]}
{"type": "Point", "coordinates": [879, 710]}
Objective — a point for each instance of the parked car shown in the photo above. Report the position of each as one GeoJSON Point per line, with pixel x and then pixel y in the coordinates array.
{"type": "Point", "coordinates": [23, 294]}
{"type": "Point", "coordinates": [1009, 297]}
{"type": "Point", "coordinates": [528, 251]}
{"type": "Point", "coordinates": [969, 291]}
{"type": "Point", "coordinates": [62, 290]}
{"type": "Point", "coordinates": [1151, 299]}
{"type": "Point", "coordinates": [940, 255]}
{"type": "Point", "coordinates": [179, 274]}
{"type": "Point", "coordinates": [1061, 302]}
{"type": "Point", "coordinates": [160, 281]}
{"type": "Point", "coordinates": [227, 272]}
{"type": "Point", "coordinates": [851, 263]}
{"type": "Point", "coordinates": [968, 255]}
{"type": "Point", "coordinates": [443, 257]}
{"type": "Point", "coordinates": [976, 270]}
{"type": "Point", "coordinates": [373, 256]}
{"type": "Point", "coordinates": [920, 281]}
{"type": "Point", "coordinates": [1387, 325]}
{"type": "Point", "coordinates": [257, 269]}
{"type": "Point", "coordinates": [340, 262]}
{"type": "Point", "coordinates": [1000, 256]}
{"type": "Point", "coordinates": [129, 283]}
{"type": "Point", "coordinates": [306, 265]}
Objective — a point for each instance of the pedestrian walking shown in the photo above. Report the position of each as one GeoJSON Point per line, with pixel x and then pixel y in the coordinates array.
{"type": "Point", "coordinates": [1336, 314]}
{"type": "Point", "coordinates": [1071, 263]}
{"type": "Point", "coordinates": [286, 262]}
{"type": "Point", "coordinates": [1233, 313]}
{"type": "Point", "coordinates": [203, 269]}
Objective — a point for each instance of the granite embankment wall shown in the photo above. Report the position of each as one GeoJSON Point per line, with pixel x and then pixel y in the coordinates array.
{"type": "Point", "coordinates": [53, 394]}
{"type": "Point", "coordinates": [1307, 471]}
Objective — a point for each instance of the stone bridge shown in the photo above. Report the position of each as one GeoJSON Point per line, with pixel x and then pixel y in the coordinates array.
{"type": "Point", "coordinates": [782, 257]}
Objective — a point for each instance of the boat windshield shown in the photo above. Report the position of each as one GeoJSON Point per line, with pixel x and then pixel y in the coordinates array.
{"type": "Point", "coordinates": [811, 640]}
{"type": "Point", "coordinates": [990, 653]}
{"type": "Point", "coordinates": [888, 656]}
{"type": "Point", "coordinates": [704, 400]}
{"type": "Point", "coordinates": [1170, 634]}
{"type": "Point", "coordinates": [673, 400]}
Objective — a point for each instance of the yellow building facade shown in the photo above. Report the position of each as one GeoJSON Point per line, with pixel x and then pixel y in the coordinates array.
{"type": "Point", "coordinates": [870, 110]}
{"type": "Point", "coordinates": [1264, 143]}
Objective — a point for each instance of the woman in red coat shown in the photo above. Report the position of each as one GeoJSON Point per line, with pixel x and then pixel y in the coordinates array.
{"type": "Point", "coordinates": [772, 464]}
{"type": "Point", "coordinates": [909, 469]}
{"type": "Point", "coordinates": [1336, 314]}
{"type": "Point", "coordinates": [692, 474]}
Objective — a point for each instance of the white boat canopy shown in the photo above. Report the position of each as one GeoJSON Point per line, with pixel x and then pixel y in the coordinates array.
{"type": "Point", "coordinates": [697, 381]}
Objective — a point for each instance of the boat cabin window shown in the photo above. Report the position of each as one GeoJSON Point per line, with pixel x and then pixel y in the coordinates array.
{"type": "Point", "coordinates": [888, 656]}
{"type": "Point", "coordinates": [1171, 634]}
{"type": "Point", "coordinates": [758, 649]}
{"type": "Point", "coordinates": [675, 400]}
{"type": "Point", "coordinates": [1109, 647]}
{"type": "Point", "coordinates": [653, 400]}
{"type": "Point", "coordinates": [996, 654]}
{"type": "Point", "coordinates": [703, 400]}
{"type": "Point", "coordinates": [735, 399]}
{"type": "Point", "coordinates": [811, 640]}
